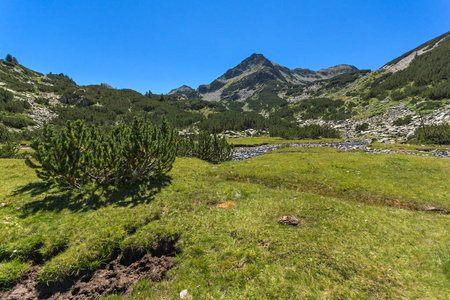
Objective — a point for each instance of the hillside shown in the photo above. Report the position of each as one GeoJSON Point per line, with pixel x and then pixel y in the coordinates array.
{"type": "Point", "coordinates": [28, 99]}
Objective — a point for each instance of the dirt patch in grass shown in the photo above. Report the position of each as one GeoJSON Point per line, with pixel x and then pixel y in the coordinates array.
{"type": "Point", "coordinates": [116, 277]}
{"type": "Point", "coordinates": [227, 204]}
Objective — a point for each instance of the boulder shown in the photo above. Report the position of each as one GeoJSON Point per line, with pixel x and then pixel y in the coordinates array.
{"type": "Point", "coordinates": [288, 220]}
{"type": "Point", "coordinates": [410, 135]}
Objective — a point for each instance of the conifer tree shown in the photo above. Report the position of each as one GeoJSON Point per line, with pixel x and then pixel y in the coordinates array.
{"type": "Point", "coordinates": [90, 158]}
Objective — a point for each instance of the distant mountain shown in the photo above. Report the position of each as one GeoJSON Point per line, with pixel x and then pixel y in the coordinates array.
{"type": "Point", "coordinates": [252, 75]}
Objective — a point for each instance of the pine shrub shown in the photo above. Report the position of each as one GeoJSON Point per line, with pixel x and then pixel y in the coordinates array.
{"type": "Point", "coordinates": [88, 158]}
{"type": "Point", "coordinates": [18, 121]}
{"type": "Point", "coordinates": [313, 131]}
{"type": "Point", "coordinates": [434, 134]}
{"type": "Point", "coordinates": [5, 135]}
{"type": "Point", "coordinates": [362, 127]}
{"type": "Point", "coordinates": [9, 150]}
{"type": "Point", "coordinates": [403, 121]}
{"type": "Point", "coordinates": [206, 147]}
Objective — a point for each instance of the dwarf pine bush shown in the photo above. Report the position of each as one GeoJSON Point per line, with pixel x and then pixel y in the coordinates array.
{"type": "Point", "coordinates": [362, 127]}
{"type": "Point", "coordinates": [82, 157]}
{"type": "Point", "coordinates": [403, 121]}
{"type": "Point", "coordinates": [9, 150]}
{"type": "Point", "coordinates": [207, 147]}
{"type": "Point", "coordinates": [313, 131]}
{"type": "Point", "coordinates": [434, 134]}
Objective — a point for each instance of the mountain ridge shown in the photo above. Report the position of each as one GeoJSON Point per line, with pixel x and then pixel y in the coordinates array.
{"type": "Point", "coordinates": [256, 70]}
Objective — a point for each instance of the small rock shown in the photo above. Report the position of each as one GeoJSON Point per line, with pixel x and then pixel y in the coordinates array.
{"type": "Point", "coordinates": [288, 220]}
{"type": "Point", "coordinates": [433, 208]}
{"type": "Point", "coordinates": [410, 135]}
{"type": "Point", "coordinates": [184, 294]}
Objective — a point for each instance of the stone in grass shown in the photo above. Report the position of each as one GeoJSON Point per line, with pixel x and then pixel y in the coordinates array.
{"type": "Point", "coordinates": [184, 294]}
{"type": "Point", "coordinates": [433, 208]}
{"type": "Point", "coordinates": [288, 220]}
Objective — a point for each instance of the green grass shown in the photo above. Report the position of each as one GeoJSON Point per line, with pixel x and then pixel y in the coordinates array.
{"type": "Point", "coordinates": [11, 271]}
{"type": "Point", "coordinates": [353, 240]}
{"type": "Point", "coordinates": [373, 178]}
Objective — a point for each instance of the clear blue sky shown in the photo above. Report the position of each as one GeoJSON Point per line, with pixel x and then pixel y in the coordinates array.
{"type": "Point", "coordinates": [160, 45]}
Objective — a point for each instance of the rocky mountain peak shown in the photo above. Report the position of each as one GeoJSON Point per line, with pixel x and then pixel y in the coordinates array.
{"type": "Point", "coordinates": [255, 59]}
{"type": "Point", "coordinates": [185, 91]}
{"type": "Point", "coordinates": [252, 62]}
{"type": "Point", "coordinates": [250, 76]}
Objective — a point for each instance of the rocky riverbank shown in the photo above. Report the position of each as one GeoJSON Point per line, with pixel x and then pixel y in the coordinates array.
{"type": "Point", "coordinates": [242, 153]}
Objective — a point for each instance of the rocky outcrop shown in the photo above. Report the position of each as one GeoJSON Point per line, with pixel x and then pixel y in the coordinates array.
{"type": "Point", "coordinates": [40, 114]}
{"type": "Point", "coordinates": [74, 99]}
{"type": "Point", "coordinates": [382, 125]}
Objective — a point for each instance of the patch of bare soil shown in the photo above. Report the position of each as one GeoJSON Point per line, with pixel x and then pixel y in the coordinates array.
{"type": "Point", "coordinates": [116, 277]}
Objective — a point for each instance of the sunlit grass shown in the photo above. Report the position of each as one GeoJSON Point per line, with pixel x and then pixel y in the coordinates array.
{"type": "Point", "coordinates": [345, 246]}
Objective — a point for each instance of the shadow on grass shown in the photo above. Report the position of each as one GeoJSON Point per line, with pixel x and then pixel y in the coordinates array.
{"type": "Point", "coordinates": [76, 201]}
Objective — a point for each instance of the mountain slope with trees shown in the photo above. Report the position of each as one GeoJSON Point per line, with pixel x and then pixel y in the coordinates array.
{"type": "Point", "coordinates": [256, 94]}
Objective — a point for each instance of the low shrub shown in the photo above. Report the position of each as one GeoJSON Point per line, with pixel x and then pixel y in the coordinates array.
{"type": "Point", "coordinates": [434, 134]}
{"type": "Point", "coordinates": [9, 150]}
{"type": "Point", "coordinates": [428, 105]}
{"type": "Point", "coordinates": [328, 109]}
{"type": "Point", "coordinates": [16, 106]}
{"type": "Point", "coordinates": [18, 121]}
{"type": "Point", "coordinates": [362, 127]}
{"type": "Point", "coordinates": [87, 159]}
{"type": "Point", "coordinates": [43, 101]}
{"type": "Point", "coordinates": [313, 131]}
{"type": "Point", "coordinates": [5, 135]}
{"type": "Point", "coordinates": [10, 104]}
{"type": "Point", "coordinates": [403, 121]}
{"type": "Point", "coordinates": [206, 147]}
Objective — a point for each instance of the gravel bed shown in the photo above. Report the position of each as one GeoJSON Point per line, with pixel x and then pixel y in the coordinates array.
{"type": "Point", "coordinates": [242, 153]}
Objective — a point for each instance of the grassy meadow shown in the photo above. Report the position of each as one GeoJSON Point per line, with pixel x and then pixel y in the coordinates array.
{"type": "Point", "coordinates": [363, 232]}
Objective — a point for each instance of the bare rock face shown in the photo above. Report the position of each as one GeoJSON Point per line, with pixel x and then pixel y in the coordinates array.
{"type": "Point", "coordinates": [74, 99]}
{"type": "Point", "coordinates": [288, 220]}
